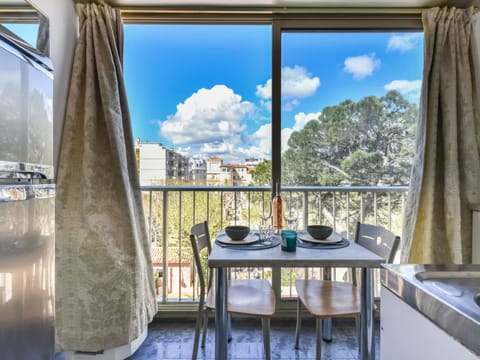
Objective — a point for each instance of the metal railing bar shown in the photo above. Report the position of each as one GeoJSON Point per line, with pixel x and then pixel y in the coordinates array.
{"type": "Point", "coordinates": [334, 210]}
{"type": "Point", "coordinates": [305, 209]}
{"type": "Point", "coordinates": [249, 208]}
{"type": "Point", "coordinates": [186, 188]}
{"type": "Point", "coordinates": [150, 231]}
{"type": "Point", "coordinates": [208, 207]}
{"type": "Point", "coordinates": [164, 246]}
{"type": "Point", "coordinates": [389, 198]}
{"type": "Point", "coordinates": [348, 214]}
{"type": "Point", "coordinates": [180, 246]}
{"type": "Point", "coordinates": [221, 209]}
{"type": "Point", "coordinates": [235, 207]}
{"type": "Point", "coordinates": [194, 207]}
{"type": "Point", "coordinates": [362, 218]}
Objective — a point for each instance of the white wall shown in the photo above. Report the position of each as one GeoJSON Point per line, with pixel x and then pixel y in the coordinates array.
{"type": "Point", "coordinates": [63, 33]}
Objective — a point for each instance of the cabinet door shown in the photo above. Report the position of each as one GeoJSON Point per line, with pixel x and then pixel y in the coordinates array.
{"type": "Point", "coordinates": [407, 334]}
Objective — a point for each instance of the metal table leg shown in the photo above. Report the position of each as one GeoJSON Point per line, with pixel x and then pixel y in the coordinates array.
{"type": "Point", "coordinates": [327, 322]}
{"type": "Point", "coordinates": [221, 317]}
{"type": "Point", "coordinates": [367, 330]}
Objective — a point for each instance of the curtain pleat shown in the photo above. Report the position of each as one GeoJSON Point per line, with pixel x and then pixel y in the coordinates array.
{"type": "Point", "coordinates": [104, 278]}
{"type": "Point", "coordinates": [446, 167]}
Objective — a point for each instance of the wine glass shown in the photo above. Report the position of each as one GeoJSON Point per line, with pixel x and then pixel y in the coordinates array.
{"type": "Point", "coordinates": [291, 218]}
{"type": "Point", "coordinates": [266, 215]}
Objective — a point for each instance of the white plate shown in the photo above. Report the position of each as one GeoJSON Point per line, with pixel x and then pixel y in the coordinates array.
{"type": "Point", "coordinates": [224, 239]}
{"type": "Point", "coordinates": [332, 239]}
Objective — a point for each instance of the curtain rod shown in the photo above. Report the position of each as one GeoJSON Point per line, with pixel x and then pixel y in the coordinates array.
{"type": "Point", "coordinates": [266, 10]}
{"type": "Point", "coordinates": [262, 14]}
{"type": "Point", "coordinates": [227, 14]}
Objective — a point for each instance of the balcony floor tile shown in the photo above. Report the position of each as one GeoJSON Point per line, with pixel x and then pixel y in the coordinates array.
{"type": "Point", "coordinates": [173, 339]}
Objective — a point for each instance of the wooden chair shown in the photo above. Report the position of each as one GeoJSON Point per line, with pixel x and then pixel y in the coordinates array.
{"type": "Point", "coordinates": [252, 297]}
{"type": "Point", "coordinates": [329, 299]}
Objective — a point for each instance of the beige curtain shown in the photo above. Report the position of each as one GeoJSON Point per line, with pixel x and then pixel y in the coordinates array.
{"type": "Point", "coordinates": [446, 171]}
{"type": "Point", "coordinates": [104, 286]}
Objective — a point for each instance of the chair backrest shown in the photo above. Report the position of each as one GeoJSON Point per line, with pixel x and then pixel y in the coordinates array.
{"type": "Point", "coordinates": [377, 239]}
{"type": "Point", "coordinates": [200, 239]}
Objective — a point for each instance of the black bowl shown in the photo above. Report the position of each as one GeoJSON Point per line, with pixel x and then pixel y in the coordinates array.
{"type": "Point", "coordinates": [319, 232]}
{"type": "Point", "coordinates": [238, 232]}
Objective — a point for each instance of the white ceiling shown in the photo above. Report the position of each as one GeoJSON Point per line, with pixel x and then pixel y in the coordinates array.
{"type": "Point", "coordinates": [300, 3]}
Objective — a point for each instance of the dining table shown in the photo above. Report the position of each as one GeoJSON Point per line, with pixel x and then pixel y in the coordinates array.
{"type": "Point", "coordinates": [222, 258]}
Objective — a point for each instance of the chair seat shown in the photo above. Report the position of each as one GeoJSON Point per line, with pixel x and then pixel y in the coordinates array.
{"type": "Point", "coordinates": [323, 298]}
{"type": "Point", "coordinates": [248, 297]}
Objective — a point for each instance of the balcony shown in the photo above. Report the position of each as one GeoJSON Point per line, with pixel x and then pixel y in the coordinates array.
{"type": "Point", "coordinates": [171, 211]}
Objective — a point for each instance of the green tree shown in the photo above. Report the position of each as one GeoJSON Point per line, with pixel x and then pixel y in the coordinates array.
{"type": "Point", "coordinates": [262, 175]}
{"type": "Point", "coordinates": [368, 142]}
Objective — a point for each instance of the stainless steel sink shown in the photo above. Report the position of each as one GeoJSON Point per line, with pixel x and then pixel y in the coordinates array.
{"type": "Point", "coordinates": [448, 295]}
{"type": "Point", "coordinates": [461, 289]}
{"type": "Point", "coordinates": [476, 298]}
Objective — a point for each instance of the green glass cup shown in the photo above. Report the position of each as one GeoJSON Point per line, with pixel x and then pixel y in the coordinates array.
{"type": "Point", "coordinates": [289, 240]}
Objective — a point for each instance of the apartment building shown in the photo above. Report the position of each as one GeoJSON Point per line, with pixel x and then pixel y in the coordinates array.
{"type": "Point", "coordinates": [197, 171]}
{"type": "Point", "coordinates": [158, 165]}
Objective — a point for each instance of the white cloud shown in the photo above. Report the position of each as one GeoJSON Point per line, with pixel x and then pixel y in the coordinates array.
{"type": "Point", "coordinates": [404, 86]}
{"type": "Point", "coordinates": [297, 82]}
{"type": "Point", "coordinates": [263, 137]}
{"type": "Point", "coordinates": [403, 43]}
{"type": "Point", "coordinates": [286, 133]}
{"type": "Point", "coordinates": [290, 104]}
{"type": "Point", "coordinates": [208, 116]}
{"type": "Point", "coordinates": [265, 91]}
{"type": "Point", "coordinates": [267, 104]}
{"type": "Point", "coordinates": [361, 66]}
{"type": "Point", "coordinates": [215, 148]}
{"type": "Point", "coordinates": [301, 119]}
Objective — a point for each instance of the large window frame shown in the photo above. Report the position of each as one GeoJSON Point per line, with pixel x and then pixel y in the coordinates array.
{"type": "Point", "coordinates": [283, 20]}
{"type": "Point", "coordinates": [322, 23]}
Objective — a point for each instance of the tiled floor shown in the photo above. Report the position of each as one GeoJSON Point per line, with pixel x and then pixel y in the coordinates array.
{"type": "Point", "coordinates": [173, 339]}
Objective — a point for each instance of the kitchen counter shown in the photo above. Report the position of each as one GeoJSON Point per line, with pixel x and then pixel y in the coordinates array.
{"type": "Point", "coordinates": [448, 295]}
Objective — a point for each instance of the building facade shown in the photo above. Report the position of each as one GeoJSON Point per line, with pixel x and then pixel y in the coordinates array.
{"type": "Point", "coordinates": [214, 171]}
{"type": "Point", "coordinates": [197, 171]}
{"type": "Point", "coordinates": [158, 165]}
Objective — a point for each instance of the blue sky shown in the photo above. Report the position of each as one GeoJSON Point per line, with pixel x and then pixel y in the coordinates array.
{"type": "Point", "coordinates": [27, 32]}
{"type": "Point", "coordinates": [205, 89]}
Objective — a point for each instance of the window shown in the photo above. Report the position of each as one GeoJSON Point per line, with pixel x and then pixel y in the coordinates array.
{"type": "Point", "coordinates": [349, 107]}
{"type": "Point", "coordinates": [347, 104]}
{"type": "Point", "coordinates": [295, 101]}
{"type": "Point", "coordinates": [200, 91]}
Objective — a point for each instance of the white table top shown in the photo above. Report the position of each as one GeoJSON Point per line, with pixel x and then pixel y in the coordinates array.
{"type": "Point", "coordinates": [353, 255]}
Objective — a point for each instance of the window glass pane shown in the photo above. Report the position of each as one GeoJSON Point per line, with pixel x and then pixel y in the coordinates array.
{"type": "Point", "coordinates": [200, 100]}
{"type": "Point", "coordinates": [349, 107]}
{"type": "Point", "coordinates": [200, 103]}
{"type": "Point", "coordinates": [27, 32]}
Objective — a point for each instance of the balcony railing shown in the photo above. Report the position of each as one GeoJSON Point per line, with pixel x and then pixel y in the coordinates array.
{"type": "Point", "coordinates": [172, 210]}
